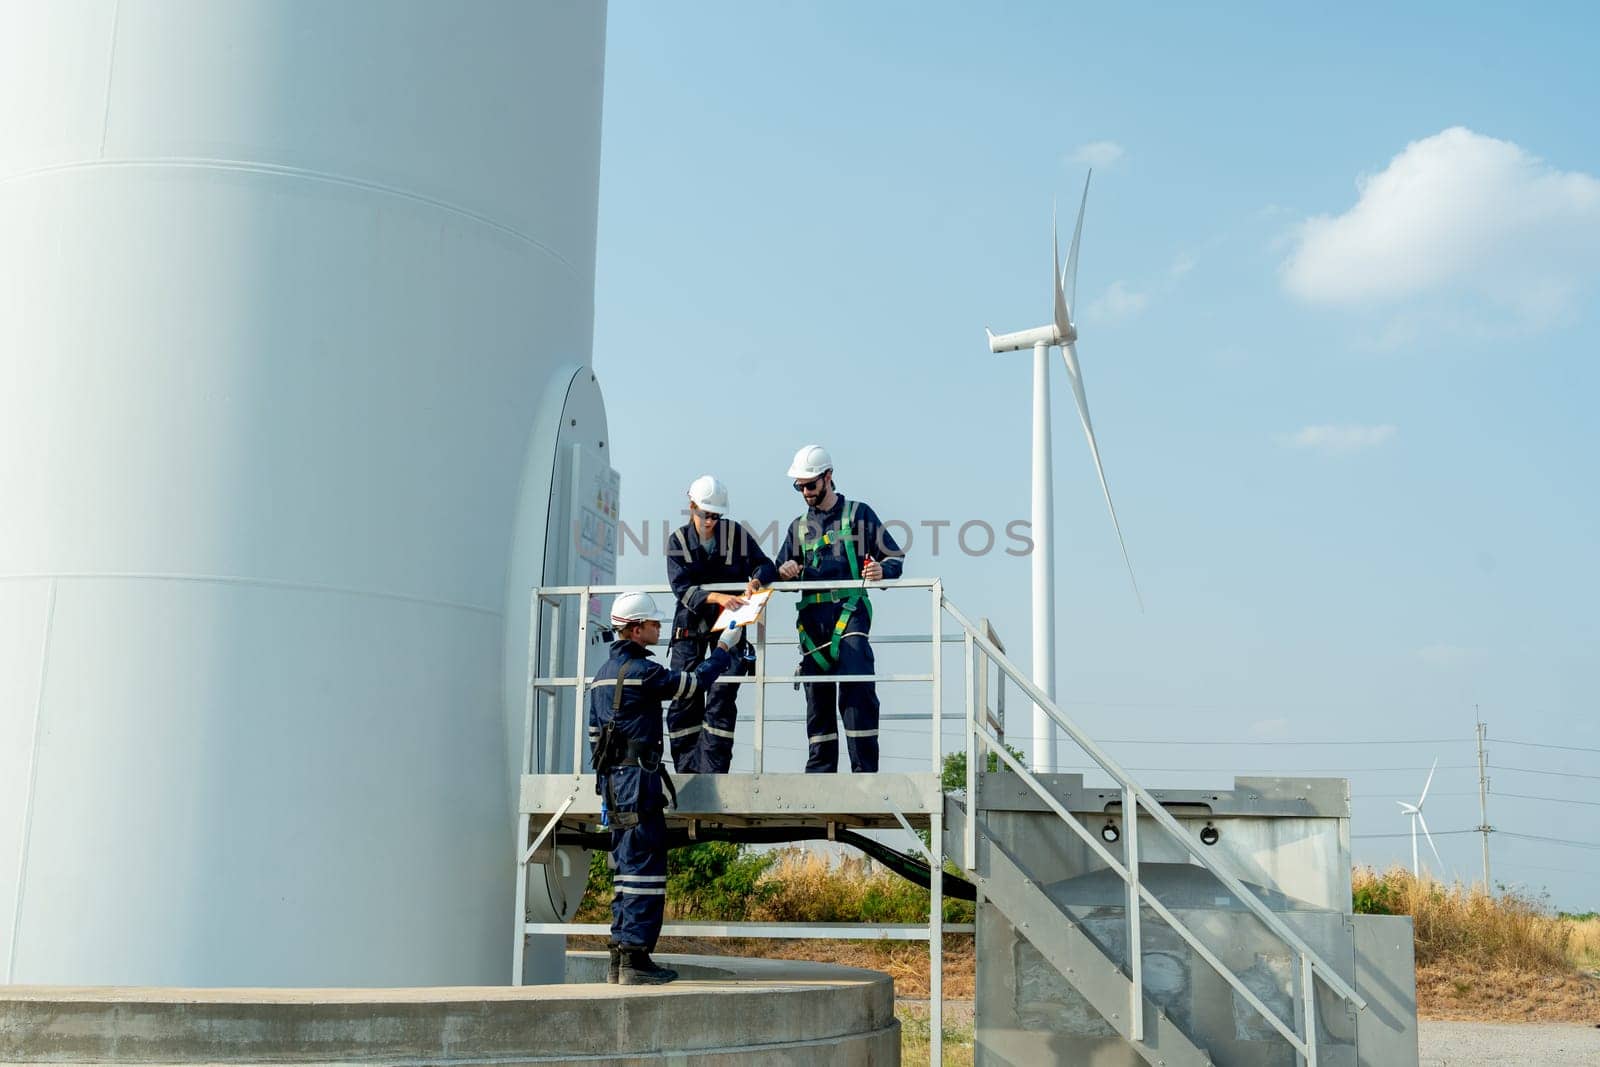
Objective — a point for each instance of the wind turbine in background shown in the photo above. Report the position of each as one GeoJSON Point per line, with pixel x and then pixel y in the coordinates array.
{"type": "Point", "coordinates": [1061, 333]}
{"type": "Point", "coordinates": [1415, 811]}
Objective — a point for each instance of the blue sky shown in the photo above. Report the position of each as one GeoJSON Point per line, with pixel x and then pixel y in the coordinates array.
{"type": "Point", "coordinates": [1337, 310]}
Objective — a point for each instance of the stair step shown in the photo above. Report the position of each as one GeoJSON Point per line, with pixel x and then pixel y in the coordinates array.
{"type": "Point", "coordinates": [1003, 880]}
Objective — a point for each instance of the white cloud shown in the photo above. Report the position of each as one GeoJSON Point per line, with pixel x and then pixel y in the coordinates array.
{"type": "Point", "coordinates": [1117, 302]}
{"type": "Point", "coordinates": [1340, 440]}
{"type": "Point", "coordinates": [1470, 219]}
{"type": "Point", "coordinates": [1182, 264]}
{"type": "Point", "coordinates": [1098, 153]}
{"type": "Point", "coordinates": [1440, 654]}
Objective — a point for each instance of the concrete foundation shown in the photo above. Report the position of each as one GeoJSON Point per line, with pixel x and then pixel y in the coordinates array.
{"type": "Point", "coordinates": [723, 1011]}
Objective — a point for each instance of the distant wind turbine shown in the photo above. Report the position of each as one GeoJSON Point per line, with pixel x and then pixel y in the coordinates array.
{"type": "Point", "coordinates": [1415, 811]}
{"type": "Point", "coordinates": [1062, 332]}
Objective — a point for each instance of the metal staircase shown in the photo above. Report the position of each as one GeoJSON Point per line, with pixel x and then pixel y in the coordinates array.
{"type": "Point", "coordinates": [1003, 879]}
{"type": "Point", "coordinates": [556, 800]}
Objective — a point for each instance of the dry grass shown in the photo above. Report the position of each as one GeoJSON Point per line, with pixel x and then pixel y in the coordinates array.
{"type": "Point", "coordinates": [1505, 957]}
{"type": "Point", "coordinates": [915, 1029]}
{"type": "Point", "coordinates": [1473, 992]}
{"type": "Point", "coordinates": [1584, 945]}
{"type": "Point", "coordinates": [808, 887]}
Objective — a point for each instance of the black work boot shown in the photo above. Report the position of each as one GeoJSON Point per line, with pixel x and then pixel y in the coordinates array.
{"type": "Point", "coordinates": [639, 969]}
{"type": "Point", "coordinates": [616, 962]}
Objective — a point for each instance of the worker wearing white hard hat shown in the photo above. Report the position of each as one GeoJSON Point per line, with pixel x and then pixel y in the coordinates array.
{"type": "Point", "coordinates": [844, 542]}
{"type": "Point", "coordinates": [710, 549]}
{"type": "Point", "coordinates": [625, 743]}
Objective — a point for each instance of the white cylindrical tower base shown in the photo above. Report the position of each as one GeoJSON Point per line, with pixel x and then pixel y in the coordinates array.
{"type": "Point", "coordinates": [282, 286]}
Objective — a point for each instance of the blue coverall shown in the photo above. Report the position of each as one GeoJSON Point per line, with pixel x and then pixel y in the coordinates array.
{"type": "Point", "coordinates": [633, 790]}
{"type": "Point", "coordinates": [857, 702]}
{"type": "Point", "coordinates": [700, 726]}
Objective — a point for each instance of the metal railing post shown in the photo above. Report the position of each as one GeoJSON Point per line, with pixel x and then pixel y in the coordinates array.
{"type": "Point", "coordinates": [969, 834]}
{"type": "Point", "coordinates": [552, 698]}
{"type": "Point", "coordinates": [532, 695]}
{"type": "Point", "coordinates": [1130, 859]}
{"type": "Point", "coordinates": [935, 636]}
{"type": "Point", "coordinates": [761, 695]}
{"type": "Point", "coordinates": [580, 684]}
{"type": "Point", "coordinates": [520, 895]}
{"type": "Point", "coordinates": [936, 937]}
{"type": "Point", "coordinates": [1308, 996]}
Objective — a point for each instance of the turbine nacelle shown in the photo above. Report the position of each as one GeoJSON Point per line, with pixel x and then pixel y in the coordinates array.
{"type": "Point", "coordinates": [1026, 339]}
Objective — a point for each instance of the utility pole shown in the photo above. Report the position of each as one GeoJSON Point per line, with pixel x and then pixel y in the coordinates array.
{"type": "Point", "coordinates": [1483, 797]}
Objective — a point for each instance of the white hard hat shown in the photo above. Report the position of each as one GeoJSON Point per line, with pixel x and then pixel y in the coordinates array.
{"type": "Point", "coordinates": [709, 494]}
{"type": "Point", "coordinates": [810, 461]}
{"type": "Point", "coordinates": [633, 607]}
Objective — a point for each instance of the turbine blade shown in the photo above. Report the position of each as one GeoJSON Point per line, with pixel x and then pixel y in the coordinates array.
{"type": "Point", "coordinates": [1063, 315]}
{"type": "Point", "coordinates": [1426, 785]}
{"type": "Point", "coordinates": [1069, 278]}
{"type": "Point", "coordinates": [1429, 836]}
{"type": "Point", "coordinates": [1069, 353]}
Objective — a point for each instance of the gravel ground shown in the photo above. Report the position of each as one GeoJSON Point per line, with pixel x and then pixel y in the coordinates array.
{"type": "Point", "coordinates": [1445, 1044]}
{"type": "Point", "coordinates": [1442, 1044]}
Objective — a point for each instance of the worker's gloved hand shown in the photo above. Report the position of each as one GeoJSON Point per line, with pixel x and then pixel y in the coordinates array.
{"type": "Point", "coordinates": [731, 637]}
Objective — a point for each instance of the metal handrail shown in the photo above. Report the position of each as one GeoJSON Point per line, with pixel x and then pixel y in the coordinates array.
{"type": "Point", "coordinates": [551, 597]}
{"type": "Point", "coordinates": [1134, 796]}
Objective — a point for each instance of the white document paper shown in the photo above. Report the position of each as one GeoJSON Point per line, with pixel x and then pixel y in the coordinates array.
{"type": "Point", "coordinates": [746, 614]}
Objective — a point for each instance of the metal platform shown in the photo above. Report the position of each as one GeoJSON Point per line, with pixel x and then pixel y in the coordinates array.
{"type": "Point", "coordinates": [858, 801]}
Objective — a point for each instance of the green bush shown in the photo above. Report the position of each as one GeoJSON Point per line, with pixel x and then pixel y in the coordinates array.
{"type": "Point", "coordinates": [1378, 895]}
{"type": "Point", "coordinates": [714, 880]}
{"type": "Point", "coordinates": [953, 778]}
{"type": "Point", "coordinates": [717, 880]}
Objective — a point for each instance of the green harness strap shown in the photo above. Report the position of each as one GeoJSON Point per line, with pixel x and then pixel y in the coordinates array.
{"type": "Point", "coordinates": [827, 655]}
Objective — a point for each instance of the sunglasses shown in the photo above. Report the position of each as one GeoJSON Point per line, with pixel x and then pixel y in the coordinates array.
{"type": "Point", "coordinates": [807, 487]}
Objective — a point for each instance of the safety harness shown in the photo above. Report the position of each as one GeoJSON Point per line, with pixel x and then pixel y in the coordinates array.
{"type": "Point", "coordinates": [826, 656]}
{"type": "Point", "coordinates": [613, 749]}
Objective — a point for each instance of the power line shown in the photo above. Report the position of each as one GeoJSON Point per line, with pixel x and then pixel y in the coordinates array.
{"type": "Point", "coordinates": [1408, 741]}
{"type": "Point", "coordinates": [1540, 770]}
{"type": "Point", "coordinates": [1289, 770]}
{"type": "Point", "coordinates": [1553, 800]}
{"type": "Point", "coordinates": [1535, 744]}
{"type": "Point", "coordinates": [1550, 840]}
{"type": "Point", "coordinates": [1437, 833]}
{"type": "Point", "coordinates": [1558, 870]}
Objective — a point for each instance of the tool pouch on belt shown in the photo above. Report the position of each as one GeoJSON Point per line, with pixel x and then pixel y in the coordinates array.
{"type": "Point", "coordinates": [615, 752]}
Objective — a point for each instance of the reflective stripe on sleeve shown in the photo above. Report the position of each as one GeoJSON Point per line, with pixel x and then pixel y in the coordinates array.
{"type": "Point", "coordinates": [685, 732]}
{"type": "Point", "coordinates": [720, 733]}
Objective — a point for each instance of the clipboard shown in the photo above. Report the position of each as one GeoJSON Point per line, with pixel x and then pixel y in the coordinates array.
{"type": "Point", "coordinates": [750, 612]}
